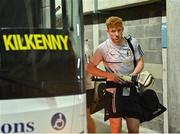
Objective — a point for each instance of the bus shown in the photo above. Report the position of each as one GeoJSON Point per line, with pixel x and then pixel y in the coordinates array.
{"type": "Point", "coordinates": [41, 67]}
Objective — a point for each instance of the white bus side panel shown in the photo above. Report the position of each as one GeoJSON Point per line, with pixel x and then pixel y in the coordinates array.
{"type": "Point", "coordinates": [44, 115]}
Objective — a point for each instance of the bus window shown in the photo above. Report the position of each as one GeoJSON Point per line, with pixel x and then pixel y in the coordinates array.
{"type": "Point", "coordinates": [41, 67]}
{"type": "Point", "coordinates": [41, 50]}
{"type": "Point", "coordinates": [58, 11]}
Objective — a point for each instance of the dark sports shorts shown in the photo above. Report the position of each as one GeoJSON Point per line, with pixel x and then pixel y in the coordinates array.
{"type": "Point", "coordinates": [89, 97]}
{"type": "Point", "coordinates": [121, 103]}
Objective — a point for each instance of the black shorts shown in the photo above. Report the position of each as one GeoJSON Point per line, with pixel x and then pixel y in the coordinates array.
{"type": "Point", "coordinates": [89, 97]}
{"type": "Point", "coordinates": [120, 104]}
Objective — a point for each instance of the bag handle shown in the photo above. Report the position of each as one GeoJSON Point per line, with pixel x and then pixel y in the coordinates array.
{"type": "Point", "coordinates": [128, 39]}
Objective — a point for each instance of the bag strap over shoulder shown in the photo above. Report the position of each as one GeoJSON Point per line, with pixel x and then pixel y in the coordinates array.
{"type": "Point", "coordinates": [128, 39]}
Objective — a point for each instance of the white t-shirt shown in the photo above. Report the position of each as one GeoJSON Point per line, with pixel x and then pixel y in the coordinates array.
{"type": "Point", "coordinates": [118, 59]}
{"type": "Point", "coordinates": [89, 84]}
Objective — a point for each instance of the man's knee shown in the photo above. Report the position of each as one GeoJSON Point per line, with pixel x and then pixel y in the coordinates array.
{"type": "Point", "coordinates": [132, 125]}
{"type": "Point", "coordinates": [133, 130]}
{"type": "Point", "coordinates": [115, 124]}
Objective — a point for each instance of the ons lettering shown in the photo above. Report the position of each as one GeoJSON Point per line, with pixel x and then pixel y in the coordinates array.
{"type": "Point", "coordinates": [19, 127]}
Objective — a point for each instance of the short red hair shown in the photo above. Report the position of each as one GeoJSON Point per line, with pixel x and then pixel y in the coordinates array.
{"type": "Point", "coordinates": [114, 21]}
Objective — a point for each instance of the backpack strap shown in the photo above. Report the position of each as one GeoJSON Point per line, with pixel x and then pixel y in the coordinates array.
{"type": "Point", "coordinates": [128, 39]}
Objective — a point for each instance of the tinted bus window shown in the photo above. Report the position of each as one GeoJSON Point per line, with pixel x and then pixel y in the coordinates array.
{"type": "Point", "coordinates": [41, 50]}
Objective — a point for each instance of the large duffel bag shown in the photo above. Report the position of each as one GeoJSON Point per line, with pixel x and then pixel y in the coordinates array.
{"type": "Point", "coordinates": [150, 105]}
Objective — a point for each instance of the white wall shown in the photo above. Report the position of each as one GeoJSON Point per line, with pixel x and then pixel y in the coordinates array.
{"type": "Point", "coordinates": [105, 4]}
{"type": "Point", "coordinates": [173, 45]}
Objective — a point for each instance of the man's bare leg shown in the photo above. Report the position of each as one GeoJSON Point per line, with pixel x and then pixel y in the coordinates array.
{"type": "Point", "coordinates": [115, 125]}
{"type": "Point", "coordinates": [132, 125]}
{"type": "Point", "coordinates": [90, 122]}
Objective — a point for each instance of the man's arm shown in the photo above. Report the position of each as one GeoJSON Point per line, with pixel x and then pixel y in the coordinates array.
{"type": "Point", "coordinates": [92, 69]}
{"type": "Point", "coordinates": [139, 66]}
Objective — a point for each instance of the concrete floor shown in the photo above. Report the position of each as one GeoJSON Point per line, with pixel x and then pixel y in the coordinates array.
{"type": "Point", "coordinates": [103, 127]}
